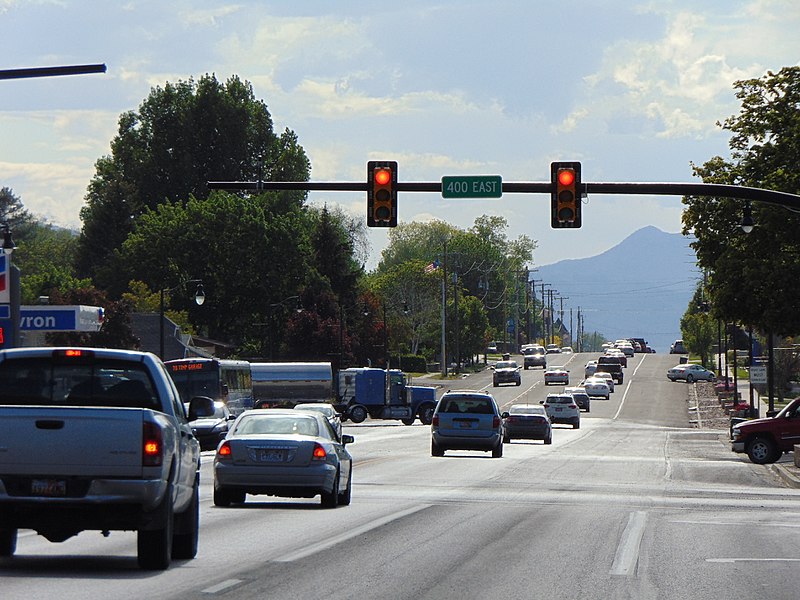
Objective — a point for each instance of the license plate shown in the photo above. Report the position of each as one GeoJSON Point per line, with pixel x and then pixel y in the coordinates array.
{"type": "Point", "coordinates": [49, 487]}
{"type": "Point", "coordinates": [465, 424]}
{"type": "Point", "coordinates": [558, 409]}
{"type": "Point", "coordinates": [269, 455]}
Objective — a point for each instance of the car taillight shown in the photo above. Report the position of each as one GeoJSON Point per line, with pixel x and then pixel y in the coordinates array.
{"type": "Point", "coordinates": [224, 450]}
{"type": "Point", "coordinates": [496, 422]}
{"type": "Point", "coordinates": [152, 445]}
{"type": "Point", "coordinates": [435, 421]}
{"type": "Point", "coordinates": [319, 452]}
{"type": "Point", "coordinates": [573, 406]}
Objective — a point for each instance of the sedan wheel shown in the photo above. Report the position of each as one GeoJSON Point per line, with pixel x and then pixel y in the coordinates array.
{"type": "Point", "coordinates": [690, 378]}
{"type": "Point", "coordinates": [331, 499]}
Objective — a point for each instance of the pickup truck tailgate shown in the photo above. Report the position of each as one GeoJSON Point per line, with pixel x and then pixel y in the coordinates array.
{"type": "Point", "coordinates": [94, 442]}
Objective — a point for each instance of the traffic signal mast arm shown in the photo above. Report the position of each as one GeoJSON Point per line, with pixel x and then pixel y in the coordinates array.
{"type": "Point", "coordinates": [620, 188]}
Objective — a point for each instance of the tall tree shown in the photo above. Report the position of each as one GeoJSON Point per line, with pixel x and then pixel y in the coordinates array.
{"type": "Point", "coordinates": [755, 278]}
{"type": "Point", "coordinates": [183, 135]}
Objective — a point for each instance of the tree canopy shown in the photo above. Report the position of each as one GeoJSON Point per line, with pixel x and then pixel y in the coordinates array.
{"type": "Point", "coordinates": [754, 278]}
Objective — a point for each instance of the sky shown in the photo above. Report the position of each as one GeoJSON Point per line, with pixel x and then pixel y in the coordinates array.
{"type": "Point", "coordinates": [633, 90]}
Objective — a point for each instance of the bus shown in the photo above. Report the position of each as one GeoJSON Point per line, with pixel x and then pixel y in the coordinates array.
{"type": "Point", "coordinates": [223, 380]}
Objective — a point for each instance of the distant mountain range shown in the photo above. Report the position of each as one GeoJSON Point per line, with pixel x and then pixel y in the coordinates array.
{"type": "Point", "coordinates": [639, 288]}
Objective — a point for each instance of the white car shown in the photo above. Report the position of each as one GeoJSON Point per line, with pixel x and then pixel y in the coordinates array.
{"type": "Point", "coordinates": [556, 375]}
{"type": "Point", "coordinates": [596, 386]}
{"type": "Point", "coordinates": [608, 377]}
{"type": "Point", "coordinates": [626, 348]}
{"type": "Point", "coordinates": [590, 368]}
{"type": "Point", "coordinates": [690, 372]}
{"type": "Point", "coordinates": [562, 408]}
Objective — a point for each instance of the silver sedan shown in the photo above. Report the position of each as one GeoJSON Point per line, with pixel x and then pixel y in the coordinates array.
{"type": "Point", "coordinates": [283, 452]}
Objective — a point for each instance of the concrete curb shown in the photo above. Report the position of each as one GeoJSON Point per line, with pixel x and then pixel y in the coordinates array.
{"type": "Point", "coordinates": [788, 473]}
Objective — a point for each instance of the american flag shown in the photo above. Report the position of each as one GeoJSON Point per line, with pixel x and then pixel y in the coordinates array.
{"type": "Point", "coordinates": [432, 267]}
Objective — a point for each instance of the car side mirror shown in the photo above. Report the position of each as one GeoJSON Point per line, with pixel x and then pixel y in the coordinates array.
{"type": "Point", "coordinates": [347, 439]}
{"type": "Point", "coordinates": [504, 415]}
{"type": "Point", "coordinates": [199, 407]}
{"type": "Point", "coordinates": [541, 401]}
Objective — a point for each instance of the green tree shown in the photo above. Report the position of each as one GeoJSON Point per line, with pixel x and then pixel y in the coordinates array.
{"type": "Point", "coordinates": [249, 253]}
{"type": "Point", "coordinates": [754, 278]}
{"type": "Point", "coordinates": [183, 135]}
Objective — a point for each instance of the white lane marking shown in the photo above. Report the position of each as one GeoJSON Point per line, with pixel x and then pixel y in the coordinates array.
{"type": "Point", "coordinates": [627, 387]}
{"type": "Point", "coordinates": [316, 546]}
{"type": "Point", "coordinates": [221, 586]}
{"type": "Point", "coordinates": [628, 550]}
{"type": "Point", "coordinates": [735, 560]}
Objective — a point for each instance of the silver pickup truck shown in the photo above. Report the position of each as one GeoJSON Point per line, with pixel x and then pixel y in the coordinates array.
{"type": "Point", "coordinates": [97, 439]}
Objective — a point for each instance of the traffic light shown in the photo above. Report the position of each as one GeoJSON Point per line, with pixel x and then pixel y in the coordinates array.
{"type": "Point", "coordinates": [382, 193]}
{"type": "Point", "coordinates": [565, 200]}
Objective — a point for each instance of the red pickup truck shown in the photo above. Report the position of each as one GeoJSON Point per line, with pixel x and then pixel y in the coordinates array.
{"type": "Point", "coordinates": [764, 440]}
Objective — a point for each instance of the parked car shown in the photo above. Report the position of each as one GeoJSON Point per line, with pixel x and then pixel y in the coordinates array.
{"type": "Point", "coordinates": [506, 371]}
{"type": "Point", "coordinates": [765, 440]}
{"type": "Point", "coordinates": [596, 386]}
{"type": "Point", "coordinates": [467, 420]}
{"type": "Point", "coordinates": [581, 398]}
{"type": "Point", "coordinates": [527, 421]}
{"type": "Point", "coordinates": [690, 372]}
{"type": "Point", "coordinates": [556, 375]}
{"type": "Point", "coordinates": [327, 410]}
{"type": "Point", "coordinates": [211, 430]}
{"type": "Point", "coordinates": [283, 452]}
{"type": "Point", "coordinates": [561, 408]}
{"type": "Point", "coordinates": [677, 347]}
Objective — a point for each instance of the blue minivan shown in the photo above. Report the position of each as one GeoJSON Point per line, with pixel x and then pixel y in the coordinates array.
{"type": "Point", "coordinates": [467, 420]}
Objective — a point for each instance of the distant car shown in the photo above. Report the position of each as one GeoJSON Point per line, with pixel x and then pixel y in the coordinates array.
{"type": "Point", "coordinates": [566, 350]}
{"type": "Point", "coordinates": [326, 409]}
{"type": "Point", "coordinates": [690, 373]}
{"type": "Point", "coordinates": [527, 421]}
{"type": "Point", "coordinates": [552, 349]}
{"type": "Point", "coordinates": [581, 398]}
{"type": "Point", "coordinates": [466, 420]}
{"type": "Point", "coordinates": [590, 368]}
{"type": "Point", "coordinates": [283, 452]}
{"type": "Point", "coordinates": [677, 347]}
{"type": "Point", "coordinates": [627, 348]}
{"type": "Point", "coordinates": [491, 348]}
{"type": "Point", "coordinates": [534, 356]}
{"type": "Point", "coordinates": [211, 430]}
{"type": "Point", "coordinates": [506, 371]}
{"type": "Point", "coordinates": [596, 386]}
{"type": "Point", "coordinates": [617, 353]}
{"type": "Point", "coordinates": [609, 378]}
{"type": "Point", "coordinates": [556, 375]}
{"type": "Point", "coordinates": [561, 408]}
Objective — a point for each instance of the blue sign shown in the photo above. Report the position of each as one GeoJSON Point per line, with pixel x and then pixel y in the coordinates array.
{"type": "Point", "coordinates": [46, 319]}
{"type": "Point", "coordinates": [5, 311]}
{"type": "Point", "coordinates": [510, 325]}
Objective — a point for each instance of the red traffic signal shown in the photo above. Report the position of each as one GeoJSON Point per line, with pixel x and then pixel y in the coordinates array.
{"type": "Point", "coordinates": [382, 193]}
{"type": "Point", "coordinates": [565, 200]}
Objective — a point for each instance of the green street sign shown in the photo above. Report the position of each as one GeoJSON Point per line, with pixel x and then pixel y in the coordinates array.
{"type": "Point", "coordinates": [472, 186]}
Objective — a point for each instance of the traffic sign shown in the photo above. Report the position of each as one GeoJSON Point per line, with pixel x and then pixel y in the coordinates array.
{"type": "Point", "coordinates": [472, 186]}
{"type": "Point", "coordinates": [758, 375]}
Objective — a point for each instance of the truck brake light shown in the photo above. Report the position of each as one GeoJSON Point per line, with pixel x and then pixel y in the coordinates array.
{"type": "Point", "coordinates": [152, 445]}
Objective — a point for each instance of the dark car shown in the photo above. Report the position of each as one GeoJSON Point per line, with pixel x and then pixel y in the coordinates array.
{"type": "Point", "coordinates": [527, 421]}
{"type": "Point", "coordinates": [467, 420]}
{"type": "Point", "coordinates": [677, 347]}
{"type": "Point", "coordinates": [506, 371]}
{"type": "Point", "coordinates": [612, 368]}
{"type": "Point", "coordinates": [211, 430]}
{"type": "Point", "coordinates": [534, 356]}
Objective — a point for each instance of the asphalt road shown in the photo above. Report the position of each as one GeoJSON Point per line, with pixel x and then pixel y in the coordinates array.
{"type": "Point", "coordinates": [634, 504]}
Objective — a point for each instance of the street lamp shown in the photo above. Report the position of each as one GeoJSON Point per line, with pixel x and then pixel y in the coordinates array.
{"type": "Point", "coordinates": [199, 298]}
{"type": "Point", "coordinates": [747, 223]}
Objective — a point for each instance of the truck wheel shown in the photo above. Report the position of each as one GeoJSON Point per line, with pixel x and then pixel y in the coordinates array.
{"type": "Point", "coordinates": [154, 546]}
{"type": "Point", "coordinates": [184, 540]}
{"type": "Point", "coordinates": [762, 450]}
{"type": "Point", "coordinates": [331, 499]}
{"type": "Point", "coordinates": [8, 542]}
{"type": "Point", "coordinates": [425, 414]}
{"type": "Point", "coordinates": [358, 413]}
{"type": "Point", "coordinates": [407, 421]}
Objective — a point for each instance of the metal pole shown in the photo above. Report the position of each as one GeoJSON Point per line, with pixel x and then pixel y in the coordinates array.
{"type": "Point", "coordinates": [444, 312]}
{"type": "Point", "coordinates": [161, 326]}
{"type": "Point", "coordinates": [753, 412]}
{"type": "Point", "coordinates": [771, 374]}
